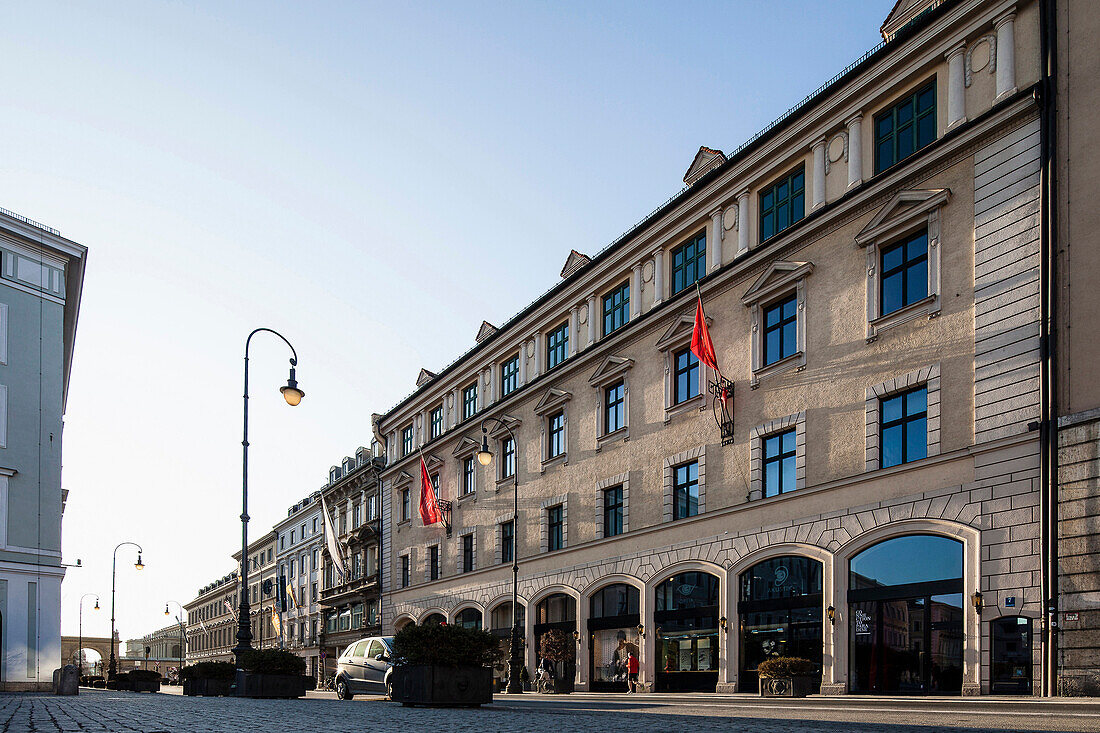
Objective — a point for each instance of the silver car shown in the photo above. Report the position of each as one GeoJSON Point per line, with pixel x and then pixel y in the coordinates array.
{"type": "Point", "coordinates": [365, 667]}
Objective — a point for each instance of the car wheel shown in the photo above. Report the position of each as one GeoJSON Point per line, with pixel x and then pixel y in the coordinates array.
{"type": "Point", "coordinates": [342, 690]}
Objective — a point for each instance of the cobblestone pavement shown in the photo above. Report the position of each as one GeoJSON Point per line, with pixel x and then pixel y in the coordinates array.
{"type": "Point", "coordinates": [96, 710]}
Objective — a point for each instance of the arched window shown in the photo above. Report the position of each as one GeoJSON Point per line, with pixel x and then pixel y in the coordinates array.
{"type": "Point", "coordinates": [434, 618]}
{"type": "Point", "coordinates": [686, 617]}
{"type": "Point", "coordinates": [469, 618]}
{"type": "Point", "coordinates": [614, 600]}
{"type": "Point", "coordinates": [501, 617]}
{"type": "Point", "coordinates": [687, 590]}
{"type": "Point", "coordinates": [558, 608]}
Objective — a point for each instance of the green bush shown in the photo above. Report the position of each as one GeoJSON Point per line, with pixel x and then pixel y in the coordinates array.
{"type": "Point", "coordinates": [444, 646]}
{"type": "Point", "coordinates": [143, 675]}
{"type": "Point", "coordinates": [272, 661]}
{"type": "Point", "coordinates": [787, 667]}
{"type": "Point", "coordinates": [209, 671]}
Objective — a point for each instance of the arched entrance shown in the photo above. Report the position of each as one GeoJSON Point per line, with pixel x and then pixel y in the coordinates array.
{"type": "Point", "coordinates": [613, 621]}
{"type": "Point", "coordinates": [905, 599]}
{"type": "Point", "coordinates": [686, 617]}
{"type": "Point", "coordinates": [1010, 672]}
{"type": "Point", "coordinates": [779, 609]}
{"type": "Point", "coordinates": [558, 611]}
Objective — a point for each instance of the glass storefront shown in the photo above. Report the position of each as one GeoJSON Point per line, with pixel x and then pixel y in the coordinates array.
{"type": "Point", "coordinates": [613, 635]}
{"type": "Point", "coordinates": [558, 611]}
{"type": "Point", "coordinates": [500, 619]}
{"type": "Point", "coordinates": [779, 608]}
{"type": "Point", "coordinates": [686, 617]}
{"type": "Point", "coordinates": [906, 617]}
{"type": "Point", "coordinates": [1011, 672]}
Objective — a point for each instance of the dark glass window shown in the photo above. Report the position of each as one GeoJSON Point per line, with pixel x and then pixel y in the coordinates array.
{"type": "Point", "coordinates": [781, 330]}
{"type": "Point", "coordinates": [469, 618]}
{"type": "Point", "coordinates": [904, 273]}
{"type": "Point", "coordinates": [468, 476]}
{"type": "Point", "coordinates": [687, 590]}
{"type": "Point", "coordinates": [507, 541]}
{"type": "Point", "coordinates": [433, 562]}
{"type": "Point", "coordinates": [891, 562]}
{"type": "Point", "coordinates": [905, 128]}
{"type": "Point", "coordinates": [557, 345]}
{"type": "Point", "coordinates": [556, 609]}
{"type": "Point", "coordinates": [404, 571]}
{"type": "Point", "coordinates": [407, 441]}
{"type": "Point", "coordinates": [903, 432]}
{"type": "Point", "coordinates": [781, 577]}
{"type": "Point", "coordinates": [689, 263]}
{"type": "Point", "coordinates": [782, 204]}
{"type": "Point", "coordinates": [467, 553]}
{"type": "Point", "coordinates": [555, 526]}
{"type": "Point", "coordinates": [779, 462]}
{"type": "Point", "coordinates": [509, 376]}
{"type": "Point", "coordinates": [436, 422]}
{"type": "Point", "coordinates": [613, 511]}
{"type": "Point", "coordinates": [469, 401]}
{"type": "Point", "coordinates": [508, 458]}
{"type": "Point", "coordinates": [614, 600]}
{"type": "Point", "coordinates": [685, 380]}
{"type": "Point", "coordinates": [685, 490]}
{"type": "Point", "coordinates": [616, 308]}
{"type": "Point", "coordinates": [614, 412]}
{"type": "Point", "coordinates": [555, 440]}
{"type": "Point", "coordinates": [404, 505]}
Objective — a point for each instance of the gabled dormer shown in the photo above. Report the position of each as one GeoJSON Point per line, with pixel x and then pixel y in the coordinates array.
{"type": "Point", "coordinates": [487, 329]}
{"type": "Point", "coordinates": [424, 377]}
{"type": "Point", "coordinates": [705, 161]}
{"type": "Point", "coordinates": [574, 262]}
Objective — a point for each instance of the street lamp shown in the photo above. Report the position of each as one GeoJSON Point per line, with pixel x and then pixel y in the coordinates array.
{"type": "Point", "coordinates": [112, 667]}
{"type": "Point", "coordinates": [80, 638]}
{"type": "Point", "coordinates": [485, 457]}
{"type": "Point", "coordinates": [179, 620]}
{"type": "Point", "coordinates": [293, 395]}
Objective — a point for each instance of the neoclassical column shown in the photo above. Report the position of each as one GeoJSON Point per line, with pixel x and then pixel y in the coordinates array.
{"type": "Point", "coordinates": [573, 331]}
{"type": "Point", "coordinates": [658, 276]}
{"type": "Point", "coordinates": [714, 241]}
{"type": "Point", "coordinates": [818, 149]}
{"type": "Point", "coordinates": [855, 149]}
{"type": "Point", "coordinates": [492, 390]}
{"type": "Point", "coordinates": [540, 354]}
{"type": "Point", "coordinates": [446, 413]}
{"type": "Point", "coordinates": [593, 319]}
{"type": "Point", "coordinates": [1006, 55]}
{"type": "Point", "coordinates": [743, 222]}
{"type": "Point", "coordinates": [956, 85]}
{"type": "Point", "coordinates": [523, 362]}
{"type": "Point", "coordinates": [482, 402]}
{"type": "Point", "coordinates": [456, 413]}
{"type": "Point", "coordinates": [636, 290]}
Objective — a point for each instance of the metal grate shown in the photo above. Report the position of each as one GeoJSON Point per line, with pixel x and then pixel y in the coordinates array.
{"type": "Point", "coordinates": [31, 222]}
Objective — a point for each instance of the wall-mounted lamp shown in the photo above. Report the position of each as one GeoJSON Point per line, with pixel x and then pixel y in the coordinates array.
{"type": "Point", "coordinates": [658, 632]}
{"type": "Point", "coordinates": [576, 636]}
{"type": "Point", "coordinates": [831, 613]}
{"type": "Point", "coordinates": [976, 600]}
{"type": "Point", "coordinates": [641, 630]}
{"type": "Point", "coordinates": [722, 623]}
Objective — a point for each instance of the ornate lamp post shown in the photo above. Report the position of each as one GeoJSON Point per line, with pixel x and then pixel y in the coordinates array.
{"type": "Point", "coordinates": [112, 668]}
{"type": "Point", "coordinates": [485, 457]}
{"type": "Point", "coordinates": [293, 395]}
{"type": "Point", "coordinates": [80, 637]}
{"type": "Point", "coordinates": [179, 620]}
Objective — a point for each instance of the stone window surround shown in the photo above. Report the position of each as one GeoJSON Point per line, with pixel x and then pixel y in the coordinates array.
{"type": "Point", "coordinates": [613, 369]}
{"type": "Point", "coordinates": [756, 452]}
{"type": "Point", "coordinates": [544, 523]}
{"type": "Point", "coordinates": [428, 560]}
{"type": "Point", "coordinates": [778, 282]}
{"type": "Point", "coordinates": [553, 401]}
{"type": "Point", "coordinates": [406, 553]}
{"type": "Point", "coordinates": [886, 228]}
{"type": "Point", "coordinates": [693, 454]}
{"type": "Point", "coordinates": [601, 486]}
{"type": "Point", "coordinates": [466, 448]}
{"type": "Point", "coordinates": [675, 338]}
{"type": "Point", "coordinates": [401, 482]}
{"type": "Point", "coordinates": [928, 377]}
{"type": "Point", "coordinates": [458, 551]}
{"type": "Point", "coordinates": [497, 436]}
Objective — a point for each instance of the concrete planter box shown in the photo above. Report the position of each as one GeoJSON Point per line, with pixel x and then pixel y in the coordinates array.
{"type": "Point", "coordinates": [258, 685]}
{"type": "Point", "coordinates": [442, 686]}
{"type": "Point", "coordinates": [788, 686]}
{"type": "Point", "coordinates": [144, 685]}
{"type": "Point", "coordinates": [207, 687]}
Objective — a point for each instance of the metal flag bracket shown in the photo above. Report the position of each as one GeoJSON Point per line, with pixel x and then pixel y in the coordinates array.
{"type": "Point", "coordinates": [721, 391]}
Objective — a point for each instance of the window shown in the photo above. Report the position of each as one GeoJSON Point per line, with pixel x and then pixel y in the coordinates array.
{"type": "Point", "coordinates": [356, 514]}
{"type": "Point", "coordinates": [314, 565]}
{"type": "Point", "coordinates": [507, 541]}
{"type": "Point", "coordinates": [685, 490]}
{"type": "Point", "coordinates": [781, 330]}
{"type": "Point", "coordinates": [555, 524]}
{"type": "Point", "coordinates": [685, 384]}
{"type": "Point", "coordinates": [903, 433]}
{"type": "Point", "coordinates": [435, 423]}
{"type": "Point", "coordinates": [357, 616]}
{"type": "Point", "coordinates": [343, 522]}
{"type": "Point", "coordinates": [906, 127]}
{"type": "Point", "coordinates": [508, 458]}
{"type": "Point", "coordinates": [468, 476]}
{"type": "Point", "coordinates": [356, 565]}
{"type": "Point", "coordinates": [555, 444]}
{"type": "Point", "coordinates": [689, 263]}
{"type": "Point", "coordinates": [302, 532]}
{"type": "Point", "coordinates": [613, 511]}
{"type": "Point", "coordinates": [614, 404]}
{"type": "Point", "coordinates": [313, 592]}
{"type": "Point", "coordinates": [467, 553]}
{"type": "Point", "coordinates": [509, 376]}
{"type": "Point", "coordinates": [904, 269]}
{"type": "Point", "coordinates": [372, 507]}
{"type": "Point", "coordinates": [616, 308]}
{"type": "Point", "coordinates": [469, 401]}
{"type": "Point", "coordinates": [314, 527]}
{"type": "Point", "coordinates": [779, 463]}
{"type": "Point", "coordinates": [433, 562]}
{"type": "Point", "coordinates": [404, 571]}
{"type": "Point", "coordinates": [557, 345]}
{"type": "Point", "coordinates": [782, 204]}
{"type": "Point", "coordinates": [407, 441]}
{"type": "Point", "coordinates": [292, 573]}
{"type": "Point", "coordinates": [404, 505]}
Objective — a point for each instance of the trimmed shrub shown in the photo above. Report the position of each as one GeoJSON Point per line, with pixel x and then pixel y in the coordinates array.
{"type": "Point", "coordinates": [787, 667]}
{"type": "Point", "coordinates": [272, 661]}
{"type": "Point", "coordinates": [443, 646]}
{"type": "Point", "coordinates": [209, 671]}
{"type": "Point", "coordinates": [557, 646]}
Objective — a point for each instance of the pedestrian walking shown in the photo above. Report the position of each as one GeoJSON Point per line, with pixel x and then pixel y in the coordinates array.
{"type": "Point", "coordinates": [631, 673]}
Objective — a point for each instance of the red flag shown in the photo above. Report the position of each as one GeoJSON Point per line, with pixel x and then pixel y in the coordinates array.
{"type": "Point", "coordinates": [429, 508]}
{"type": "Point", "coordinates": [701, 344]}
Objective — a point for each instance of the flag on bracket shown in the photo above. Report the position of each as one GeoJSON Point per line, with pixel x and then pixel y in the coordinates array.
{"type": "Point", "coordinates": [701, 345]}
{"type": "Point", "coordinates": [429, 504]}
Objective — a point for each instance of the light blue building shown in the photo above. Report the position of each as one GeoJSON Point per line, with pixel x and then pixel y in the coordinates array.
{"type": "Point", "coordinates": [41, 275]}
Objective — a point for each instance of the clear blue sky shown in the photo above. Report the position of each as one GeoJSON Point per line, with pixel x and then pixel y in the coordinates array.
{"type": "Point", "coordinates": [371, 179]}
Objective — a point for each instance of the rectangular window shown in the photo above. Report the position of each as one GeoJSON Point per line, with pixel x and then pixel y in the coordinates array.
{"type": "Point", "coordinates": [468, 476]}
{"type": "Point", "coordinates": [616, 308]}
{"type": "Point", "coordinates": [407, 441]}
{"type": "Point", "coordinates": [904, 278]}
{"type": "Point", "coordinates": [906, 127]}
{"type": "Point", "coordinates": [685, 490]}
{"type": "Point", "coordinates": [903, 435]}
{"type": "Point", "coordinates": [614, 408]}
{"type": "Point", "coordinates": [507, 541]}
{"type": "Point", "coordinates": [372, 507]}
{"type": "Point", "coordinates": [555, 439]}
{"type": "Point", "coordinates": [555, 528]}
{"type": "Point", "coordinates": [314, 527]}
{"type": "Point", "coordinates": [355, 516]}
{"type": "Point", "coordinates": [404, 505]}
{"type": "Point", "coordinates": [781, 330]}
{"type": "Point", "coordinates": [779, 459]}
{"type": "Point", "coordinates": [557, 345]}
{"type": "Point", "coordinates": [313, 592]}
{"type": "Point", "coordinates": [435, 422]}
{"type": "Point", "coordinates": [467, 553]}
{"type": "Point", "coordinates": [613, 511]}
{"type": "Point", "coordinates": [685, 379]}
{"type": "Point", "coordinates": [689, 263]}
{"type": "Point", "coordinates": [469, 401]}
{"type": "Point", "coordinates": [508, 458]}
{"type": "Point", "coordinates": [782, 204]}
{"type": "Point", "coordinates": [314, 559]}
{"type": "Point", "coordinates": [509, 376]}
{"type": "Point", "coordinates": [433, 562]}
{"type": "Point", "coordinates": [404, 571]}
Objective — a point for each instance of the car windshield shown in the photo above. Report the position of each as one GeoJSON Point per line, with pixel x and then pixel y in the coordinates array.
{"type": "Point", "coordinates": [389, 642]}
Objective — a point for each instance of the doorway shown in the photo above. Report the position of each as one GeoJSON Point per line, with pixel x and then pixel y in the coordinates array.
{"type": "Point", "coordinates": [1011, 669]}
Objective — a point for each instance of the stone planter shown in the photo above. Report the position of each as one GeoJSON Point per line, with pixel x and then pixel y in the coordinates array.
{"type": "Point", "coordinates": [259, 685]}
{"type": "Point", "coordinates": [788, 686]}
{"type": "Point", "coordinates": [442, 686]}
{"type": "Point", "coordinates": [144, 686]}
{"type": "Point", "coordinates": [207, 687]}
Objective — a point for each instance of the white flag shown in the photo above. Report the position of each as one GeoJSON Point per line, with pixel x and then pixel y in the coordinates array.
{"type": "Point", "coordinates": [334, 550]}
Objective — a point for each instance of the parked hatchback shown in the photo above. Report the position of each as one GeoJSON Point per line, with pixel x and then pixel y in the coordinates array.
{"type": "Point", "coordinates": [365, 667]}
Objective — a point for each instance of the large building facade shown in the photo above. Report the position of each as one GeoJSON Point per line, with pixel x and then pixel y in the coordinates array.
{"type": "Point", "coordinates": [298, 558]}
{"type": "Point", "coordinates": [41, 276]}
{"type": "Point", "coordinates": [212, 620]}
{"type": "Point", "coordinates": [870, 270]}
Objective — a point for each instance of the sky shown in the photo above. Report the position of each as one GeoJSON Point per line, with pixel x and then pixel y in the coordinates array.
{"type": "Point", "coordinates": [370, 179]}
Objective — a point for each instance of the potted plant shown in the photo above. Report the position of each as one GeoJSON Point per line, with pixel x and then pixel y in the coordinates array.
{"type": "Point", "coordinates": [120, 681]}
{"type": "Point", "coordinates": [443, 665]}
{"type": "Point", "coordinates": [208, 679]}
{"type": "Point", "coordinates": [558, 646]}
{"type": "Point", "coordinates": [788, 677]}
{"type": "Point", "coordinates": [271, 673]}
{"type": "Point", "coordinates": [144, 680]}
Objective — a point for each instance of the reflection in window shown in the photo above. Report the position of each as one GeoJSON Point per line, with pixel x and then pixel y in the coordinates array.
{"type": "Point", "coordinates": [781, 330]}
{"type": "Point", "coordinates": [904, 278]}
{"type": "Point", "coordinates": [893, 562]}
{"type": "Point", "coordinates": [615, 600]}
{"type": "Point", "coordinates": [779, 463]}
{"type": "Point", "coordinates": [687, 590]}
{"type": "Point", "coordinates": [469, 618]}
{"type": "Point", "coordinates": [556, 609]}
{"type": "Point", "coordinates": [903, 433]}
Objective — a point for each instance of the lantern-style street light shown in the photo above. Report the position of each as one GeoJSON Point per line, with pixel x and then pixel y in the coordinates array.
{"type": "Point", "coordinates": [112, 668]}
